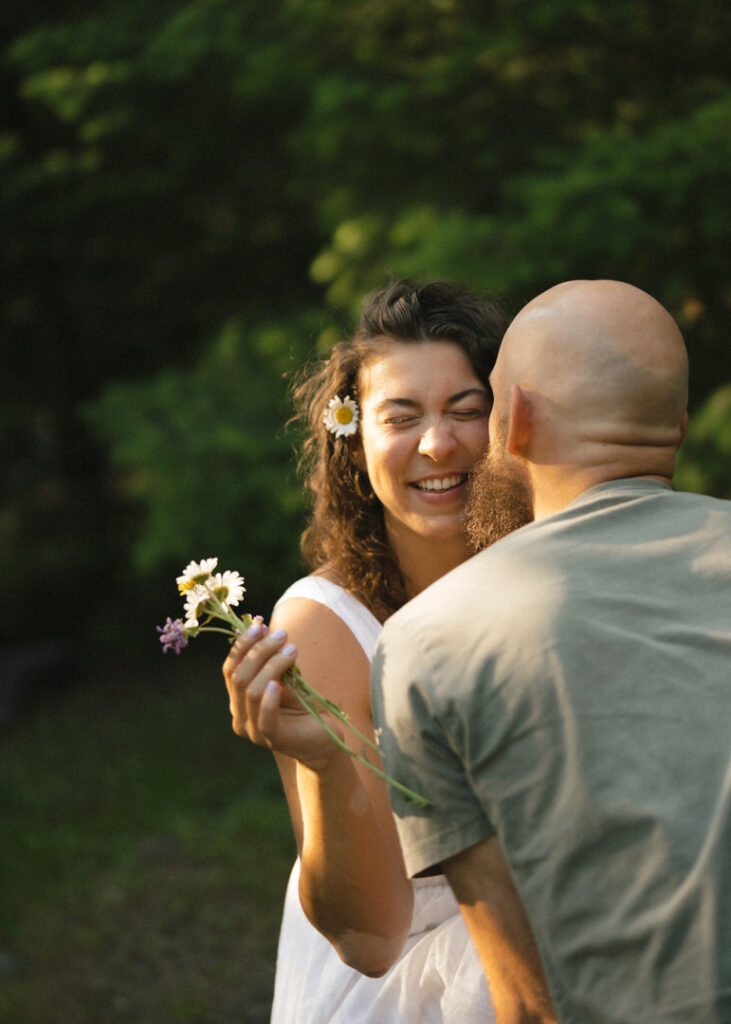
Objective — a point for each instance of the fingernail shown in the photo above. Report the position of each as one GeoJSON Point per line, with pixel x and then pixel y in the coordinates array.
{"type": "Point", "coordinates": [253, 630]}
{"type": "Point", "coordinates": [272, 688]}
{"type": "Point", "coordinates": [289, 649]}
{"type": "Point", "coordinates": [278, 634]}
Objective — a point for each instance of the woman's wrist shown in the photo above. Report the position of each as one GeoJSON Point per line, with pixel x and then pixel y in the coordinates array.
{"type": "Point", "coordinates": [319, 769]}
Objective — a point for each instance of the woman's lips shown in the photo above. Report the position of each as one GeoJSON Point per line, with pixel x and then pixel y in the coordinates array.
{"type": "Point", "coordinates": [439, 484]}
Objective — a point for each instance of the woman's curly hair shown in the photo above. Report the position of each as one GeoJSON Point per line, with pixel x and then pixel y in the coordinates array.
{"type": "Point", "coordinates": [346, 535]}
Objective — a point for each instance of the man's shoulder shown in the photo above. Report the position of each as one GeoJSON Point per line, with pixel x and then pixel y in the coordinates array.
{"type": "Point", "coordinates": [527, 565]}
{"type": "Point", "coordinates": [478, 584]}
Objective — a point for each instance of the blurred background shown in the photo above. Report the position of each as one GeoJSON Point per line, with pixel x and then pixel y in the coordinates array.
{"type": "Point", "coordinates": [195, 195]}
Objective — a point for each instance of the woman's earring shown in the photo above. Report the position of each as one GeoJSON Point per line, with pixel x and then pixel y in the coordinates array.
{"type": "Point", "coordinates": [362, 484]}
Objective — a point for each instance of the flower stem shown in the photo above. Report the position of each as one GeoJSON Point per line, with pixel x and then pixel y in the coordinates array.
{"type": "Point", "coordinates": [296, 682]}
{"type": "Point", "coordinates": [215, 629]}
{"type": "Point", "coordinates": [409, 794]}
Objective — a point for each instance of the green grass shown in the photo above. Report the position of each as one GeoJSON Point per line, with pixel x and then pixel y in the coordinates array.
{"type": "Point", "coordinates": [144, 851]}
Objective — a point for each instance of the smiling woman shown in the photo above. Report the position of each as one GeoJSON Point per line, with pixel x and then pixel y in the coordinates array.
{"type": "Point", "coordinates": [424, 425]}
{"type": "Point", "coordinates": [347, 530]}
{"type": "Point", "coordinates": [359, 940]}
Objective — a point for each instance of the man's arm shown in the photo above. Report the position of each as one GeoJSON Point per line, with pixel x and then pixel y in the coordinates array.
{"type": "Point", "coordinates": [500, 929]}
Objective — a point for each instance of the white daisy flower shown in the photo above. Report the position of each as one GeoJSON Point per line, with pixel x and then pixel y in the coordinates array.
{"type": "Point", "coordinates": [194, 604]}
{"type": "Point", "coordinates": [341, 416]}
{"type": "Point", "coordinates": [196, 573]}
{"type": "Point", "coordinates": [228, 587]}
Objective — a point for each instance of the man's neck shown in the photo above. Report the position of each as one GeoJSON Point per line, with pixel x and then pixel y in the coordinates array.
{"type": "Point", "coordinates": [551, 497]}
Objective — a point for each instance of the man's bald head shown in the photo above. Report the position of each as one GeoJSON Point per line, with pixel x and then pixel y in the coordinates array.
{"type": "Point", "coordinates": [605, 370]}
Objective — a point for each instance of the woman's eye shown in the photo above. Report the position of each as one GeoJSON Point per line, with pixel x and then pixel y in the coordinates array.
{"type": "Point", "coordinates": [469, 414]}
{"type": "Point", "coordinates": [400, 421]}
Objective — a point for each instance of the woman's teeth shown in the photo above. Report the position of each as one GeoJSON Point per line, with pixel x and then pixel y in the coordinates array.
{"type": "Point", "coordinates": [442, 484]}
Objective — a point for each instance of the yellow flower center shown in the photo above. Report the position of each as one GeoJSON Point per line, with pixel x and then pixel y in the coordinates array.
{"type": "Point", "coordinates": [344, 415]}
{"type": "Point", "coordinates": [187, 585]}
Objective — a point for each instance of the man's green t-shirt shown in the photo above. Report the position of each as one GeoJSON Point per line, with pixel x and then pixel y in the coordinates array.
{"type": "Point", "coordinates": [570, 689]}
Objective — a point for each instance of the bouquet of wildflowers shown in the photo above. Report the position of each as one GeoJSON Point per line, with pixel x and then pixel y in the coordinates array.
{"type": "Point", "coordinates": [209, 601]}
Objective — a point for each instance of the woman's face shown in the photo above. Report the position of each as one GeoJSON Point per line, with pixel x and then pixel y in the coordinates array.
{"type": "Point", "coordinates": [424, 414]}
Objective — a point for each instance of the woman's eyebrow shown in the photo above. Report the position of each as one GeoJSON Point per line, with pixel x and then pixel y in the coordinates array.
{"type": "Point", "coordinates": [408, 403]}
{"type": "Point", "coordinates": [411, 403]}
{"type": "Point", "coordinates": [481, 392]}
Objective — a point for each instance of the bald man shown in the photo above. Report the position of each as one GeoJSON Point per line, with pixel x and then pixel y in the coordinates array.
{"type": "Point", "coordinates": [564, 697]}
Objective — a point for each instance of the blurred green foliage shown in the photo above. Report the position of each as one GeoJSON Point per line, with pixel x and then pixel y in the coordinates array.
{"type": "Point", "coordinates": [705, 458]}
{"type": "Point", "coordinates": [202, 452]}
{"type": "Point", "coordinates": [196, 194]}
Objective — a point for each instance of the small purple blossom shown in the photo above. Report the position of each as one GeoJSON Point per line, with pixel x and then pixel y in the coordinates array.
{"type": "Point", "coordinates": [172, 635]}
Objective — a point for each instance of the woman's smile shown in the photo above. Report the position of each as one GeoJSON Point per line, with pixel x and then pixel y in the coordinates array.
{"type": "Point", "coordinates": [440, 485]}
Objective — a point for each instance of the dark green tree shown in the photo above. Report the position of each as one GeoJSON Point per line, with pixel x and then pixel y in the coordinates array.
{"type": "Point", "coordinates": [167, 170]}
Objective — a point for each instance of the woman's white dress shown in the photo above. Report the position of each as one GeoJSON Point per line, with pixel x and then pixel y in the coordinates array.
{"type": "Point", "coordinates": [437, 980]}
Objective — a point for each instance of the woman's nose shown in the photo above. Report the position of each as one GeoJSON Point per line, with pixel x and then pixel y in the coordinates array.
{"type": "Point", "coordinates": [437, 441]}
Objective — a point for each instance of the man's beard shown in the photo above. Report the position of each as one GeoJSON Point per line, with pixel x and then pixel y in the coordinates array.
{"type": "Point", "coordinates": [500, 500]}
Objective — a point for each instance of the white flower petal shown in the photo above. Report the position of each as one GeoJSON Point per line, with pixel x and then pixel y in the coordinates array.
{"type": "Point", "coordinates": [227, 586]}
{"type": "Point", "coordinates": [194, 573]}
{"type": "Point", "coordinates": [193, 599]}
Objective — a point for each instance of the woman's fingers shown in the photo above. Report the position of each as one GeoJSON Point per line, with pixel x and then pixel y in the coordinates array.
{"type": "Point", "coordinates": [293, 732]}
{"type": "Point", "coordinates": [256, 657]}
{"type": "Point", "coordinates": [269, 707]}
{"type": "Point", "coordinates": [252, 689]}
{"type": "Point", "coordinates": [262, 709]}
{"type": "Point", "coordinates": [243, 645]}
{"type": "Point", "coordinates": [249, 654]}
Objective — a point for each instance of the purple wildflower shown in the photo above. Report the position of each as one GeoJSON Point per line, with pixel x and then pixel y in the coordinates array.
{"type": "Point", "coordinates": [172, 636]}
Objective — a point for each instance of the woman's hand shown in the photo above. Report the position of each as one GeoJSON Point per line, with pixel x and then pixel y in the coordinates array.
{"type": "Point", "coordinates": [264, 710]}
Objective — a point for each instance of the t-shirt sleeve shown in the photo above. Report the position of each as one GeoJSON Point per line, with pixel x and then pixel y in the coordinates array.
{"type": "Point", "coordinates": [422, 752]}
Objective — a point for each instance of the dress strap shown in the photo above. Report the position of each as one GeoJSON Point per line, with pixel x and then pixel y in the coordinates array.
{"type": "Point", "coordinates": [364, 626]}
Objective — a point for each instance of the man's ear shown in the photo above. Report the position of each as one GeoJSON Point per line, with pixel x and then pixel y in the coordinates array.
{"type": "Point", "coordinates": [683, 429]}
{"type": "Point", "coordinates": [520, 424]}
